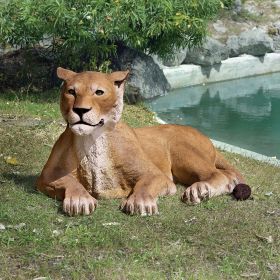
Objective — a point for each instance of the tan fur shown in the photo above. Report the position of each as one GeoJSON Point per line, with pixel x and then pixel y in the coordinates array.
{"type": "Point", "coordinates": [105, 158]}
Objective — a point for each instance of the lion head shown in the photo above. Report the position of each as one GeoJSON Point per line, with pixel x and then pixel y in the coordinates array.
{"type": "Point", "coordinates": [91, 102]}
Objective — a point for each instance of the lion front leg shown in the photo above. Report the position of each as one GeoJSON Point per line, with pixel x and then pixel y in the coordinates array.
{"type": "Point", "coordinates": [76, 199]}
{"type": "Point", "coordinates": [57, 179]}
{"type": "Point", "coordinates": [78, 202]}
{"type": "Point", "coordinates": [144, 196]}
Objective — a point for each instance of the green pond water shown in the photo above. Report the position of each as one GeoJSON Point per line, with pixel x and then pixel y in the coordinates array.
{"type": "Point", "coordinates": [244, 112]}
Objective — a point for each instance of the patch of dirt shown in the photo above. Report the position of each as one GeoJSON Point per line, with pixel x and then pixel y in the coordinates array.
{"type": "Point", "coordinates": [6, 120]}
{"type": "Point", "coordinates": [20, 121]}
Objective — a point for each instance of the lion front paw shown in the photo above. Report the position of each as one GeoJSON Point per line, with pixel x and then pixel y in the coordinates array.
{"type": "Point", "coordinates": [197, 192]}
{"type": "Point", "coordinates": [139, 205]}
{"type": "Point", "coordinates": [79, 204]}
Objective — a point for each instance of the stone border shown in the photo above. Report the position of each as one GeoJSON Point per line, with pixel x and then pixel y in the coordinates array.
{"type": "Point", "coordinates": [229, 69]}
{"type": "Point", "coordinates": [246, 153]}
{"type": "Point", "coordinates": [237, 150]}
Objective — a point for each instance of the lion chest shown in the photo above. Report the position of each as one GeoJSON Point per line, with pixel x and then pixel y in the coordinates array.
{"type": "Point", "coordinates": [97, 171]}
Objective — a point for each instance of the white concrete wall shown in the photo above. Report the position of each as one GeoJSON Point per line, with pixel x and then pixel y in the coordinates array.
{"type": "Point", "coordinates": [232, 68]}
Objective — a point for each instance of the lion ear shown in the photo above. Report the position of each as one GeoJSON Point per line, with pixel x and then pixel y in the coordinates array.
{"type": "Point", "coordinates": [119, 78]}
{"type": "Point", "coordinates": [64, 74]}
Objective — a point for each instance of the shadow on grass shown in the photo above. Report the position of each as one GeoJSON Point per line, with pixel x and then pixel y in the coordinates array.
{"type": "Point", "coordinates": [28, 182]}
{"type": "Point", "coordinates": [48, 96]}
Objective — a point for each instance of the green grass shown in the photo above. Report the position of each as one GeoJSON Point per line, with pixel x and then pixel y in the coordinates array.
{"type": "Point", "coordinates": [218, 239]}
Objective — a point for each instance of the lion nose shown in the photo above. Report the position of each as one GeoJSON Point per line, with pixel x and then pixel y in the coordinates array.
{"type": "Point", "coordinates": [81, 111]}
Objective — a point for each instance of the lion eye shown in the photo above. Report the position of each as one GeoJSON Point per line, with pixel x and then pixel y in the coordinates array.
{"type": "Point", "coordinates": [99, 92]}
{"type": "Point", "coordinates": [72, 92]}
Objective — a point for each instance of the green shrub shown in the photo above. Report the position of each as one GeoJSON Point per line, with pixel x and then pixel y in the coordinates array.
{"type": "Point", "coordinates": [90, 30]}
{"type": "Point", "coordinates": [228, 3]}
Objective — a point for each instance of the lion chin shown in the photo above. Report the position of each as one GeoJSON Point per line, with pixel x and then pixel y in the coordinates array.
{"type": "Point", "coordinates": [82, 129]}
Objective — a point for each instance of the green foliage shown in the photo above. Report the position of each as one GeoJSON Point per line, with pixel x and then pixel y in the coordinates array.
{"type": "Point", "coordinates": [90, 30]}
{"type": "Point", "coordinates": [228, 3]}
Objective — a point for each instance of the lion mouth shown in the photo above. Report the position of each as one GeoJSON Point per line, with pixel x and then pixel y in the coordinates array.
{"type": "Point", "coordinates": [101, 123]}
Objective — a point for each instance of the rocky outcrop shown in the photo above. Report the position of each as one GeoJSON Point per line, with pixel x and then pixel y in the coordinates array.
{"type": "Point", "coordinates": [277, 3]}
{"type": "Point", "coordinates": [254, 42]}
{"type": "Point", "coordinates": [276, 43]}
{"type": "Point", "coordinates": [174, 59]}
{"type": "Point", "coordinates": [210, 53]}
{"type": "Point", "coordinates": [274, 31]}
{"type": "Point", "coordinates": [146, 79]}
{"type": "Point", "coordinates": [35, 69]}
{"type": "Point", "coordinates": [251, 8]}
{"type": "Point", "coordinates": [220, 27]}
{"type": "Point", "coordinates": [237, 7]}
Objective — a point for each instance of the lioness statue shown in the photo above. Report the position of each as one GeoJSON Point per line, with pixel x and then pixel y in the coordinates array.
{"type": "Point", "coordinates": [98, 156]}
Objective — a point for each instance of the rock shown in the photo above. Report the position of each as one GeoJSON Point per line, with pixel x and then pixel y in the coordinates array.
{"type": "Point", "coordinates": [19, 226]}
{"type": "Point", "coordinates": [31, 68]}
{"type": "Point", "coordinates": [276, 43]}
{"type": "Point", "coordinates": [233, 46]}
{"type": "Point", "coordinates": [158, 61]}
{"type": "Point", "coordinates": [219, 26]}
{"type": "Point", "coordinates": [57, 232]}
{"type": "Point", "coordinates": [237, 6]}
{"type": "Point", "coordinates": [255, 42]}
{"type": "Point", "coordinates": [276, 25]}
{"type": "Point", "coordinates": [277, 3]}
{"type": "Point", "coordinates": [251, 8]}
{"type": "Point", "coordinates": [146, 79]}
{"type": "Point", "coordinates": [210, 53]}
{"type": "Point", "coordinates": [274, 32]}
{"type": "Point", "coordinates": [176, 59]}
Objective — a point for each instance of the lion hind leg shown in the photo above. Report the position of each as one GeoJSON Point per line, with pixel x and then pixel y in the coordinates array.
{"type": "Point", "coordinates": [222, 164]}
{"type": "Point", "coordinates": [218, 183]}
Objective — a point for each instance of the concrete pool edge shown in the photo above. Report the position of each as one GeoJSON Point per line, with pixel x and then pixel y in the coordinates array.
{"type": "Point", "coordinates": [237, 150]}
{"type": "Point", "coordinates": [186, 75]}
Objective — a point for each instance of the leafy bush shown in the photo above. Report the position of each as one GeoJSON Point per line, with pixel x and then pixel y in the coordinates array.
{"type": "Point", "coordinates": [90, 30]}
{"type": "Point", "coordinates": [228, 3]}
